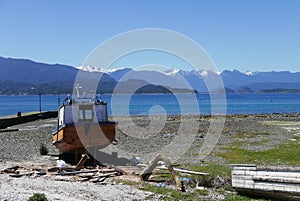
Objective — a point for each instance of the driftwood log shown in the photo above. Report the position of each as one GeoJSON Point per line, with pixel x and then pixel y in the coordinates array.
{"type": "Point", "coordinates": [11, 169]}
{"type": "Point", "coordinates": [178, 170]}
{"type": "Point", "coordinates": [146, 173]}
{"type": "Point", "coordinates": [82, 161]}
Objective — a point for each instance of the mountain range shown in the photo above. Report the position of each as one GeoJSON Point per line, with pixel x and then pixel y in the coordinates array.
{"type": "Point", "coordinates": [23, 76]}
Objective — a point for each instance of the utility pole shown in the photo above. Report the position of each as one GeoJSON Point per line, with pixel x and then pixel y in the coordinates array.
{"type": "Point", "coordinates": [40, 101]}
{"type": "Point", "coordinates": [58, 100]}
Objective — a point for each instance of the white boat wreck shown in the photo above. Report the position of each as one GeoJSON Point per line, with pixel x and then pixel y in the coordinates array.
{"type": "Point", "coordinates": [271, 182]}
{"type": "Point", "coordinates": [83, 125]}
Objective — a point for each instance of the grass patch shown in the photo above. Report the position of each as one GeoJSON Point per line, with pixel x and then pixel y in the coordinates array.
{"type": "Point", "coordinates": [173, 195]}
{"type": "Point", "coordinates": [161, 175]}
{"type": "Point", "coordinates": [43, 149]}
{"type": "Point", "coordinates": [281, 123]}
{"type": "Point", "coordinates": [249, 134]}
{"type": "Point", "coordinates": [237, 197]}
{"type": "Point", "coordinates": [284, 154]}
{"type": "Point", "coordinates": [38, 197]}
{"type": "Point", "coordinates": [258, 143]}
{"type": "Point", "coordinates": [212, 168]}
{"type": "Point", "coordinates": [169, 194]}
{"type": "Point", "coordinates": [237, 143]}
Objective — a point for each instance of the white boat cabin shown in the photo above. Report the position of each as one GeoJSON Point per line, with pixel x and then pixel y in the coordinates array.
{"type": "Point", "coordinates": [72, 112]}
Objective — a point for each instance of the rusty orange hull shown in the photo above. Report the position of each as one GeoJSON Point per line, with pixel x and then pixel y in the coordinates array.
{"type": "Point", "coordinates": [71, 138]}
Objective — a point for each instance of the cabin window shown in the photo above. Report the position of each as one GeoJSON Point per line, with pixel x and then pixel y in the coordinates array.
{"type": "Point", "coordinates": [88, 114]}
{"type": "Point", "coordinates": [85, 114]}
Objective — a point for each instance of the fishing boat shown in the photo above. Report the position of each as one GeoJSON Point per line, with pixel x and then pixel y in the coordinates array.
{"type": "Point", "coordinates": [83, 125]}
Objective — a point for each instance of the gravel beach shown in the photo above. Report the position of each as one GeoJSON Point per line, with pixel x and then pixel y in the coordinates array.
{"type": "Point", "coordinates": [22, 148]}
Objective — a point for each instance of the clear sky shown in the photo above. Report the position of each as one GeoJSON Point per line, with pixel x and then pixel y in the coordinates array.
{"type": "Point", "coordinates": [254, 35]}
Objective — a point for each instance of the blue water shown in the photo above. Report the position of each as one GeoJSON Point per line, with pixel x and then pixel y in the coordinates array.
{"type": "Point", "coordinates": [143, 104]}
{"type": "Point", "coordinates": [12, 104]}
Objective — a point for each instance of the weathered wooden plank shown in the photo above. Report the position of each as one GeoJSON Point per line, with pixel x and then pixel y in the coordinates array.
{"type": "Point", "coordinates": [82, 161]}
{"type": "Point", "coordinates": [75, 172]}
{"type": "Point", "coordinates": [238, 172]}
{"type": "Point", "coordinates": [111, 170]}
{"type": "Point", "coordinates": [243, 165]}
{"type": "Point", "coordinates": [244, 168]}
{"type": "Point", "coordinates": [190, 172]}
{"type": "Point", "coordinates": [241, 177]}
{"type": "Point", "coordinates": [243, 184]}
{"type": "Point", "coordinates": [21, 174]}
{"type": "Point", "coordinates": [276, 187]}
{"type": "Point", "coordinates": [178, 170]}
{"type": "Point", "coordinates": [283, 182]}
{"type": "Point", "coordinates": [278, 168]}
{"type": "Point", "coordinates": [11, 169]}
{"type": "Point", "coordinates": [278, 179]}
{"type": "Point", "coordinates": [277, 174]}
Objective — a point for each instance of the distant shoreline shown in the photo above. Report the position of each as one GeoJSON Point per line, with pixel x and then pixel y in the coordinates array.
{"type": "Point", "coordinates": [171, 104]}
{"type": "Point", "coordinates": [265, 91]}
{"type": "Point", "coordinates": [53, 114]}
{"type": "Point", "coordinates": [8, 121]}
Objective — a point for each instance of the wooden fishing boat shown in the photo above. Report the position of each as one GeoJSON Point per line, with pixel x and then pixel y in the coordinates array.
{"type": "Point", "coordinates": [82, 125]}
{"type": "Point", "coordinates": [271, 182]}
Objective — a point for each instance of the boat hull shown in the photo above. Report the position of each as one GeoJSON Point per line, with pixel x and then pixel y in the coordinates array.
{"type": "Point", "coordinates": [79, 137]}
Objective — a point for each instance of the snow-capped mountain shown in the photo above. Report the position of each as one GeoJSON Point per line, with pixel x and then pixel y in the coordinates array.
{"type": "Point", "coordinates": [99, 70]}
{"type": "Point", "coordinates": [153, 77]}
{"type": "Point", "coordinates": [172, 71]}
{"type": "Point", "coordinates": [32, 73]}
{"type": "Point", "coordinates": [249, 73]}
{"type": "Point", "coordinates": [196, 80]}
{"type": "Point", "coordinates": [199, 80]}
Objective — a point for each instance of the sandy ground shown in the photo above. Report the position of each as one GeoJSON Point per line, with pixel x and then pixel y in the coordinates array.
{"type": "Point", "coordinates": [137, 135]}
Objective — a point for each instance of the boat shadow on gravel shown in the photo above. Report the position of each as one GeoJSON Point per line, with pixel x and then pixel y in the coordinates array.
{"type": "Point", "coordinates": [101, 159]}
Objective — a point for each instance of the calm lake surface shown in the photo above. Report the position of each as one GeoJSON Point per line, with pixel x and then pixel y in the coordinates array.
{"type": "Point", "coordinates": [143, 104]}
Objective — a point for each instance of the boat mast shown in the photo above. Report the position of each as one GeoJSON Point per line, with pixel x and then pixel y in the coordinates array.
{"type": "Point", "coordinates": [77, 87]}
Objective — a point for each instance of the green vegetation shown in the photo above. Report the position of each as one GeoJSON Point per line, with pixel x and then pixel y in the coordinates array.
{"type": "Point", "coordinates": [249, 134]}
{"type": "Point", "coordinates": [237, 197]}
{"type": "Point", "coordinates": [38, 197]}
{"type": "Point", "coordinates": [281, 123]}
{"type": "Point", "coordinates": [43, 149]}
{"type": "Point", "coordinates": [258, 143]}
{"type": "Point", "coordinates": [169, 194]}
{"type": "Point", "coordinates": [287, 153]}
{"type": "Point", "coordinates": [283, 154]}
{"type": "Point", "coordinates": [212, 168]}
{"type": "Point", "coordinates": [172, 195]}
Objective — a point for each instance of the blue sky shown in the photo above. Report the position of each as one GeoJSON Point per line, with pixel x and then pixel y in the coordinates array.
{"type": "Point", "coordinates": [254, 35]}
